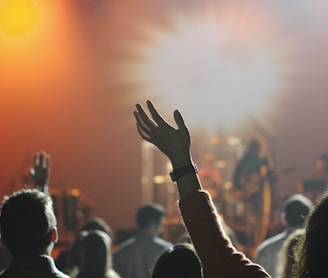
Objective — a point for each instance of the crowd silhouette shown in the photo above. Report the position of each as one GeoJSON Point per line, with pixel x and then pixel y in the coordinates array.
{"type": "Point", "coordinates": [208, 248]}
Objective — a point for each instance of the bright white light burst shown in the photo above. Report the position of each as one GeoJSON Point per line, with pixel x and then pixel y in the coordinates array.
{"type": "Point", "coordinates": [216, 69]}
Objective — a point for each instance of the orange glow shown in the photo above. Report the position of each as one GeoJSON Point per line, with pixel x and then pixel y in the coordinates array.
{"type": "Point", "coordinates": [32, 61]}
{"type": "Point", "coordinates": [18, 17]}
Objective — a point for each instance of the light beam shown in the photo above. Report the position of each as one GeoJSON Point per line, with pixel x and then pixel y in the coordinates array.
{"type": "Point", "coordinates": [217, 66]}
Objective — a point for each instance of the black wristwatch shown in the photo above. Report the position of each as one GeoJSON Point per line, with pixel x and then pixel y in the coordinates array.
{"type": "Point", "coordinates": [178, 173]}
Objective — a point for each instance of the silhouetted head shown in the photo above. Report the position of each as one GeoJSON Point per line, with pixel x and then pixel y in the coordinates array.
{"type": "Point", "coordinates": [257, 146]}
{"type": "Point", "coordinates": [254, 146]}
{"type": "Point", "coordinates": [296, 209]}
{"type": "Point", "coordinates": [179, 261]}
{"type": "Point", "coordinates": [92, 224]}
{"type": "Point", "coordinates": [28, 223]}
{"type": "Point", "coordinates": [95, 254]}
{"type": "Point", "coordinates": [150, 217]}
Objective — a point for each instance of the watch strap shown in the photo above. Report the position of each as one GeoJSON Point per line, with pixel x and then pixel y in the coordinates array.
{"type": "Point", "coordinates": [178, 173]}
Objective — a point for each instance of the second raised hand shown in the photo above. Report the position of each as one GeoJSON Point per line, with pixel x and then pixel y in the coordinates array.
{"type": "Point", "coordinates": [41, 171]}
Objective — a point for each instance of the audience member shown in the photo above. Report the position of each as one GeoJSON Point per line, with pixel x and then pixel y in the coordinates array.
{"type": "Point", "coordinates": [28, 226]}
{"type": "Point", "coordinates": [295, 210]}
{"type": "Point", "coordinates": [311, 250]}
{"type": "Point", "coordinates": [30, 237]}
{"type": "Point", "coordinates": [68, 259]}
{"type": "Point", "coordinates": [28, 229]}
{"type": "Point", "coordinates": [95, 256]}
{"type": "Point", "coordinates": [136, 257]}
{"type": "Point", "coordinates": [217, 255]}
{"type": "Point", "coordinates": [179, 261]}
{"type": "Point", "coordinates": [286, 256]}
{"type": "Point", "coordinates": [253, 180]}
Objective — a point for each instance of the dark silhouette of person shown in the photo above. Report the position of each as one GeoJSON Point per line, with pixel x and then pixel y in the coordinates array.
{"type": "Point", "coordinates": [136, 257]}
{"type": "Point", "coordinates": [68, 259]}
{"type": "Point", "coordinates": [179, 261]}
{"type": "Point", "coordinates": [95, 256]}
{"type": "Point", "coordinates": [295, 210]}
{"type": "Point", "coordinates": [28, 229]}
{"type": "Point", "coordinates": [28, 226]}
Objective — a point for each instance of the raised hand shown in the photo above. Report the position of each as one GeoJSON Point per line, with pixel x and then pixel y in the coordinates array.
{"type": "Point", "coordinates": [41, 171]}
{"type": "Point", "coordinates": [173, 142]}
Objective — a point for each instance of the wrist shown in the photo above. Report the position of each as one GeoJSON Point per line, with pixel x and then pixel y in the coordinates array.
{"type": "Point", "coordinates": [179, 162]}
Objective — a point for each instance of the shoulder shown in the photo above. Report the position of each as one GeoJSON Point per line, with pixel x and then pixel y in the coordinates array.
{"type": "Point", "coordinates": [272, 241]}
{"type": "Point", "coordinates": [126, 243]}
{"type": "Point", "coordinates": [61, 275]}
{"type": "Point", "coordinates": [162, 242]}
{"type": "Point", "coordinates": [124, 246]}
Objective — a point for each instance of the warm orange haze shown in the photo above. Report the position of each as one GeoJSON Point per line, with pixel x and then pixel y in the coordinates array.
{"type": "Point", "coordinates": [71, 72]}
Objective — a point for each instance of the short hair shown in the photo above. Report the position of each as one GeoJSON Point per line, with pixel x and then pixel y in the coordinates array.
{"type": "Point", "coordinates": [179, 261]}
{"type": "Point", "coordinates": [26, 222]}
{"type": "Point", "coordinates": [149, 213]}
{"type": "Point", "coordinates": [296, 209]}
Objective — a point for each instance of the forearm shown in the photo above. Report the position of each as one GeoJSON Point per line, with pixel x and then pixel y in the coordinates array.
{"type": "Point", "coordinates": [206, 230]}
{"type": "Point", "coordinates": [213, 247]}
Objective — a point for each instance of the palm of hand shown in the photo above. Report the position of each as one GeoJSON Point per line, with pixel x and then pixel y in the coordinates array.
{"type": "Point", "coordinates": [171, 141]}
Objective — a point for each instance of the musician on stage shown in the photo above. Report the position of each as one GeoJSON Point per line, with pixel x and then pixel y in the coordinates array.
{"type": "Point", "coordinates": [252, 182]}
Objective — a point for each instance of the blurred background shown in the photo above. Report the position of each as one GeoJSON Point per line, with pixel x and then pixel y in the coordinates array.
{"type": "Point", "coordinates": [71, 72]}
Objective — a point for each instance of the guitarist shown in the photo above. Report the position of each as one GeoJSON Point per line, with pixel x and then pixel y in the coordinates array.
{"type": "Point", "coordinates": [252, 182]}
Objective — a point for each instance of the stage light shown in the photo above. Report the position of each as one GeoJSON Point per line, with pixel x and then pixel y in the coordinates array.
{"type": "Point", "coordinates": [217, 66]}
{"type": "Point", "coordinates": [18, 17]}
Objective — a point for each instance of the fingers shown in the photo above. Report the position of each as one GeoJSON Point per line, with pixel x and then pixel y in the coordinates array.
{"type": "Point", "coordinates": [41, 159]}
{"type": "Point", "coordinates": [143, 134]}
{"type": "Point", "coordinates": [32, 172]}
{"type": "Point", "coordinates": [156, 116]}
{"type": "Point", "coordinates": [36, 159]}
{"type": "Point", "coordinates": [147, 126]}
{"type": "Point", "coordinates": [140, 123]}
{"type": "Point", "coordinates": [143, 117]}
{"type": "Point", "coordinates": [45, 159]}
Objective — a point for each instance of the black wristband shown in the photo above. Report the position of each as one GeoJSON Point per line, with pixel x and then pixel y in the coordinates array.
{"type": "Point", "coordinates": [178, 173]}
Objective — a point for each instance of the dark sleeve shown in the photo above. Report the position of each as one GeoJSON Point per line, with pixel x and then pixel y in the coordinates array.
{"type": "Point", "coordinates": [217, 255]}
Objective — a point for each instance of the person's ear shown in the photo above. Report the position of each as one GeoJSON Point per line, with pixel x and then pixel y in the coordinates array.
{"type": "Point", "coordinates": [54, 235]}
